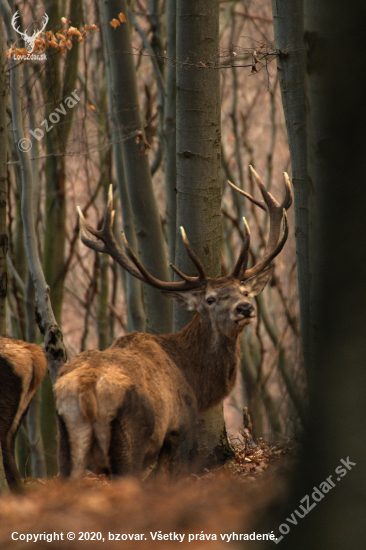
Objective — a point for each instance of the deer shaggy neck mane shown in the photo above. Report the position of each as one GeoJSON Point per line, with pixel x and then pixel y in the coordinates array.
{"type": "Point", "coordinates": [199, 352]}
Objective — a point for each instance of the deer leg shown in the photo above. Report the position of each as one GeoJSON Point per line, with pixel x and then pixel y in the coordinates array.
{"type": "Point", "coordinates": [120, 449]}
{"type": "Point", "coordinates": [80, 439]}
{"type": "Point", "coordinates": [127, 448]}
{"type": "Point", "coordinates": [64, 453]}
{"type": "Point", "coordinates": [168, 461]}
{"type": "Point", "coordinates": [130, 434]}
{"type": "Point", "coordinates": [11, 471]}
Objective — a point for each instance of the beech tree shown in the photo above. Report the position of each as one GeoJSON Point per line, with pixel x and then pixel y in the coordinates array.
{"type": "Point", "coordinates": [136, 166]}
{"type": "Point", "coordinates": [3, 231]}
{"type": "Point", "coordinates": [289, 31]}
{"type": "Point", "coordinates": [198, 180]}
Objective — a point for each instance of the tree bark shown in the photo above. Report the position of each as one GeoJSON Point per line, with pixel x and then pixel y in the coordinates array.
{"type": "Point", "coordinates": [59, 85]}
{"type": "Point", "coordinates": [136, 318]}
{"type": "Point", "coordinates": [136, 166]}
{"type": "Point", "coordinates": [3, 229]}
{"type": "Point", "coordinates": [288, 31]}
{"type": "Point", "coordinates": [170, 127]}
{"type": "Point", "coordinates": [198, 180]}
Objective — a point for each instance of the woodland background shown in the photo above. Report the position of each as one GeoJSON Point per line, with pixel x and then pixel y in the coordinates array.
{"type": "Point", "coordinates": [93, 302]}
{"type": "Point", "coordinates": [78, 158]}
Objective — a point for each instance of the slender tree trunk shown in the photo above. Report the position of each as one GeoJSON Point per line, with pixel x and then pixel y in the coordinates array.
{"type": "Point", "coordinates": [288, 30]}
{"type": "Point", "coordinates": [136, 166]}
{"type": "Point", "coordinates": [283, 366]}
{"type": "Point", "coordinates": [170, 126]}
{"type": "Point", "coordinates": [38, 457]}
{"type": "Point", "coordinates": [58, 88]}
{"type": "Point", "coordinates": [198, 180]}
{"type": "Point", "coordinates": [250, 377]}
{"type": "Point", "coordinates": [3, 229]}
{"type": "Point", "coordinates": [136, 318]}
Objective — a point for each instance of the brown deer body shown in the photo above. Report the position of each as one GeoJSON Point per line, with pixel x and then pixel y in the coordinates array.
{"type": "Point", "coordinates": [22, 369]}
{"type": "Point", "coordinates": [122, 409]}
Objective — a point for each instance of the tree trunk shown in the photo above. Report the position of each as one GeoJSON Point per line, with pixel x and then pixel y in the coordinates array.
{"type": "Point", "coordinates": [337, 378]}
{"type": "Point", "coordinates": [3, 229]}
{"type": "Point", "coordinates": [170, 127]}
{"type": "Point", "coordinates": [198, 180]}
{"type": "Point", "coordinates": [136, 318]}
{"type": "Point", "coordinates": [59, 85]}
{"type": "Point", "coordinates": [289, 30]}
{"type": "Point", "coordinates": [136, 166]}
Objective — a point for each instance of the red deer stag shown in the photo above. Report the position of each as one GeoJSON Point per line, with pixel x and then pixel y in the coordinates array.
{"type": "Point", "coordinates": [22, 368]}
{"type": "Point", "coordinates": [122, 409]}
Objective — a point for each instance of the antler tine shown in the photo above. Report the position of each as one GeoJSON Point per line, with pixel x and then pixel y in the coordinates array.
{"type": "Point", "coordinates": [242, 261]}
{"type": "Point", "coordinates": [180, 274]}
{"type": "Point", "coordinates": [261, 204]}
{"type": "Point", "coordinates": [110, 245]}
{"type": "Point", "coordinates": [130, 262]}
{"type": "Point", "coordinates": [189, 282]}
{"type": "Point", "coordinates": [84, 226]}
{"type": "Point", "coordinates": [13, 21]}
{"type": "Point", "coordinates": [275, 209]}
{"type": "Point", "coordinates": [109, 213]}
{"type": "Point", "coordinates": [192, 255]}
{"type": "Point", "coordinates": [277, 212]}
{"type": "Point", "coordinates": [271, 253]}
{"type": "Point", "coordinates": [287, 201]}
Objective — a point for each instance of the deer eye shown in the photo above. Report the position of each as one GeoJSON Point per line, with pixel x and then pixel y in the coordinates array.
{"type": "Point", "coordinates": [246, 294]}
{"type": "Point", "coordinates": [210, 300]}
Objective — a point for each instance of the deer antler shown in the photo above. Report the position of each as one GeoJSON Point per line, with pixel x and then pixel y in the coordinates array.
{"type": "Point", "coordinates": [277, 213]}
{"type": "Point", "coordinates": [13, 22]}
{"type": "Point", "coordinates": [37, 33]}
{"type": "Point", "coordinates": [130, 262]}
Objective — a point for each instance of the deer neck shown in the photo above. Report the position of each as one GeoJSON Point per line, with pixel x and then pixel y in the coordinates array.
{"type": "Point", "coordinates": [208, 359]}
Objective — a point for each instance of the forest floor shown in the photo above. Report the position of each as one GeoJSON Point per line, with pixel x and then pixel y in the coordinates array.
{"type": "Point", "coordinates": [192, 511]}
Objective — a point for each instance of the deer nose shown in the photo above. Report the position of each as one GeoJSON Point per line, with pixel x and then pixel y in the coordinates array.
{"type": "Point", "coordinates": [244, 309]}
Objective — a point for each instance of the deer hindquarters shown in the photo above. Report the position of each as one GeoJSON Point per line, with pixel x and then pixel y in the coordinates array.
{"type": "Point", "coordinates": [107, 441]}
{"type": "Point", "coordinates": [10, 397]}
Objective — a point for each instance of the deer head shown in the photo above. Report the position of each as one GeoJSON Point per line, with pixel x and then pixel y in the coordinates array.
{"type": "Point", "coordinates": [222, 302]}
{"type": "Point", "coordinates": [28, 40]}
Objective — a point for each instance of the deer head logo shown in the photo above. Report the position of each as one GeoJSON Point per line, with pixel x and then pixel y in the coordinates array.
{"type": "Point", "coordinates": [29, 40]}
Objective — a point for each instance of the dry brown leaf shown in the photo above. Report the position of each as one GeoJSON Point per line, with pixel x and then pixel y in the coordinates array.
{"type": "Point", "coordinates": [115, 23]}
{"type": "Point", "coordinates": [91, 107]}
{"type": "Point", "coordinates": [74, 31]}
{"type": "Point", "coordinates": [121, 17]}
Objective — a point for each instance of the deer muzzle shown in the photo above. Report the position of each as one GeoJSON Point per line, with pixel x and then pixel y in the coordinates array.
{"type": "Point", "coordinates": [245, 309]}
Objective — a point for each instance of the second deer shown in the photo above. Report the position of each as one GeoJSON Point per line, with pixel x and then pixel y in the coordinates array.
{"type": "Point", "coordinates": [124, 408]}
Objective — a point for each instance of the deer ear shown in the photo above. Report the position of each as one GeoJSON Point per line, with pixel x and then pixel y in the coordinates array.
{"type": "Point", "coordinates": [186, 300]}
{"type": "Point", "coordinates": [256, 284]}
